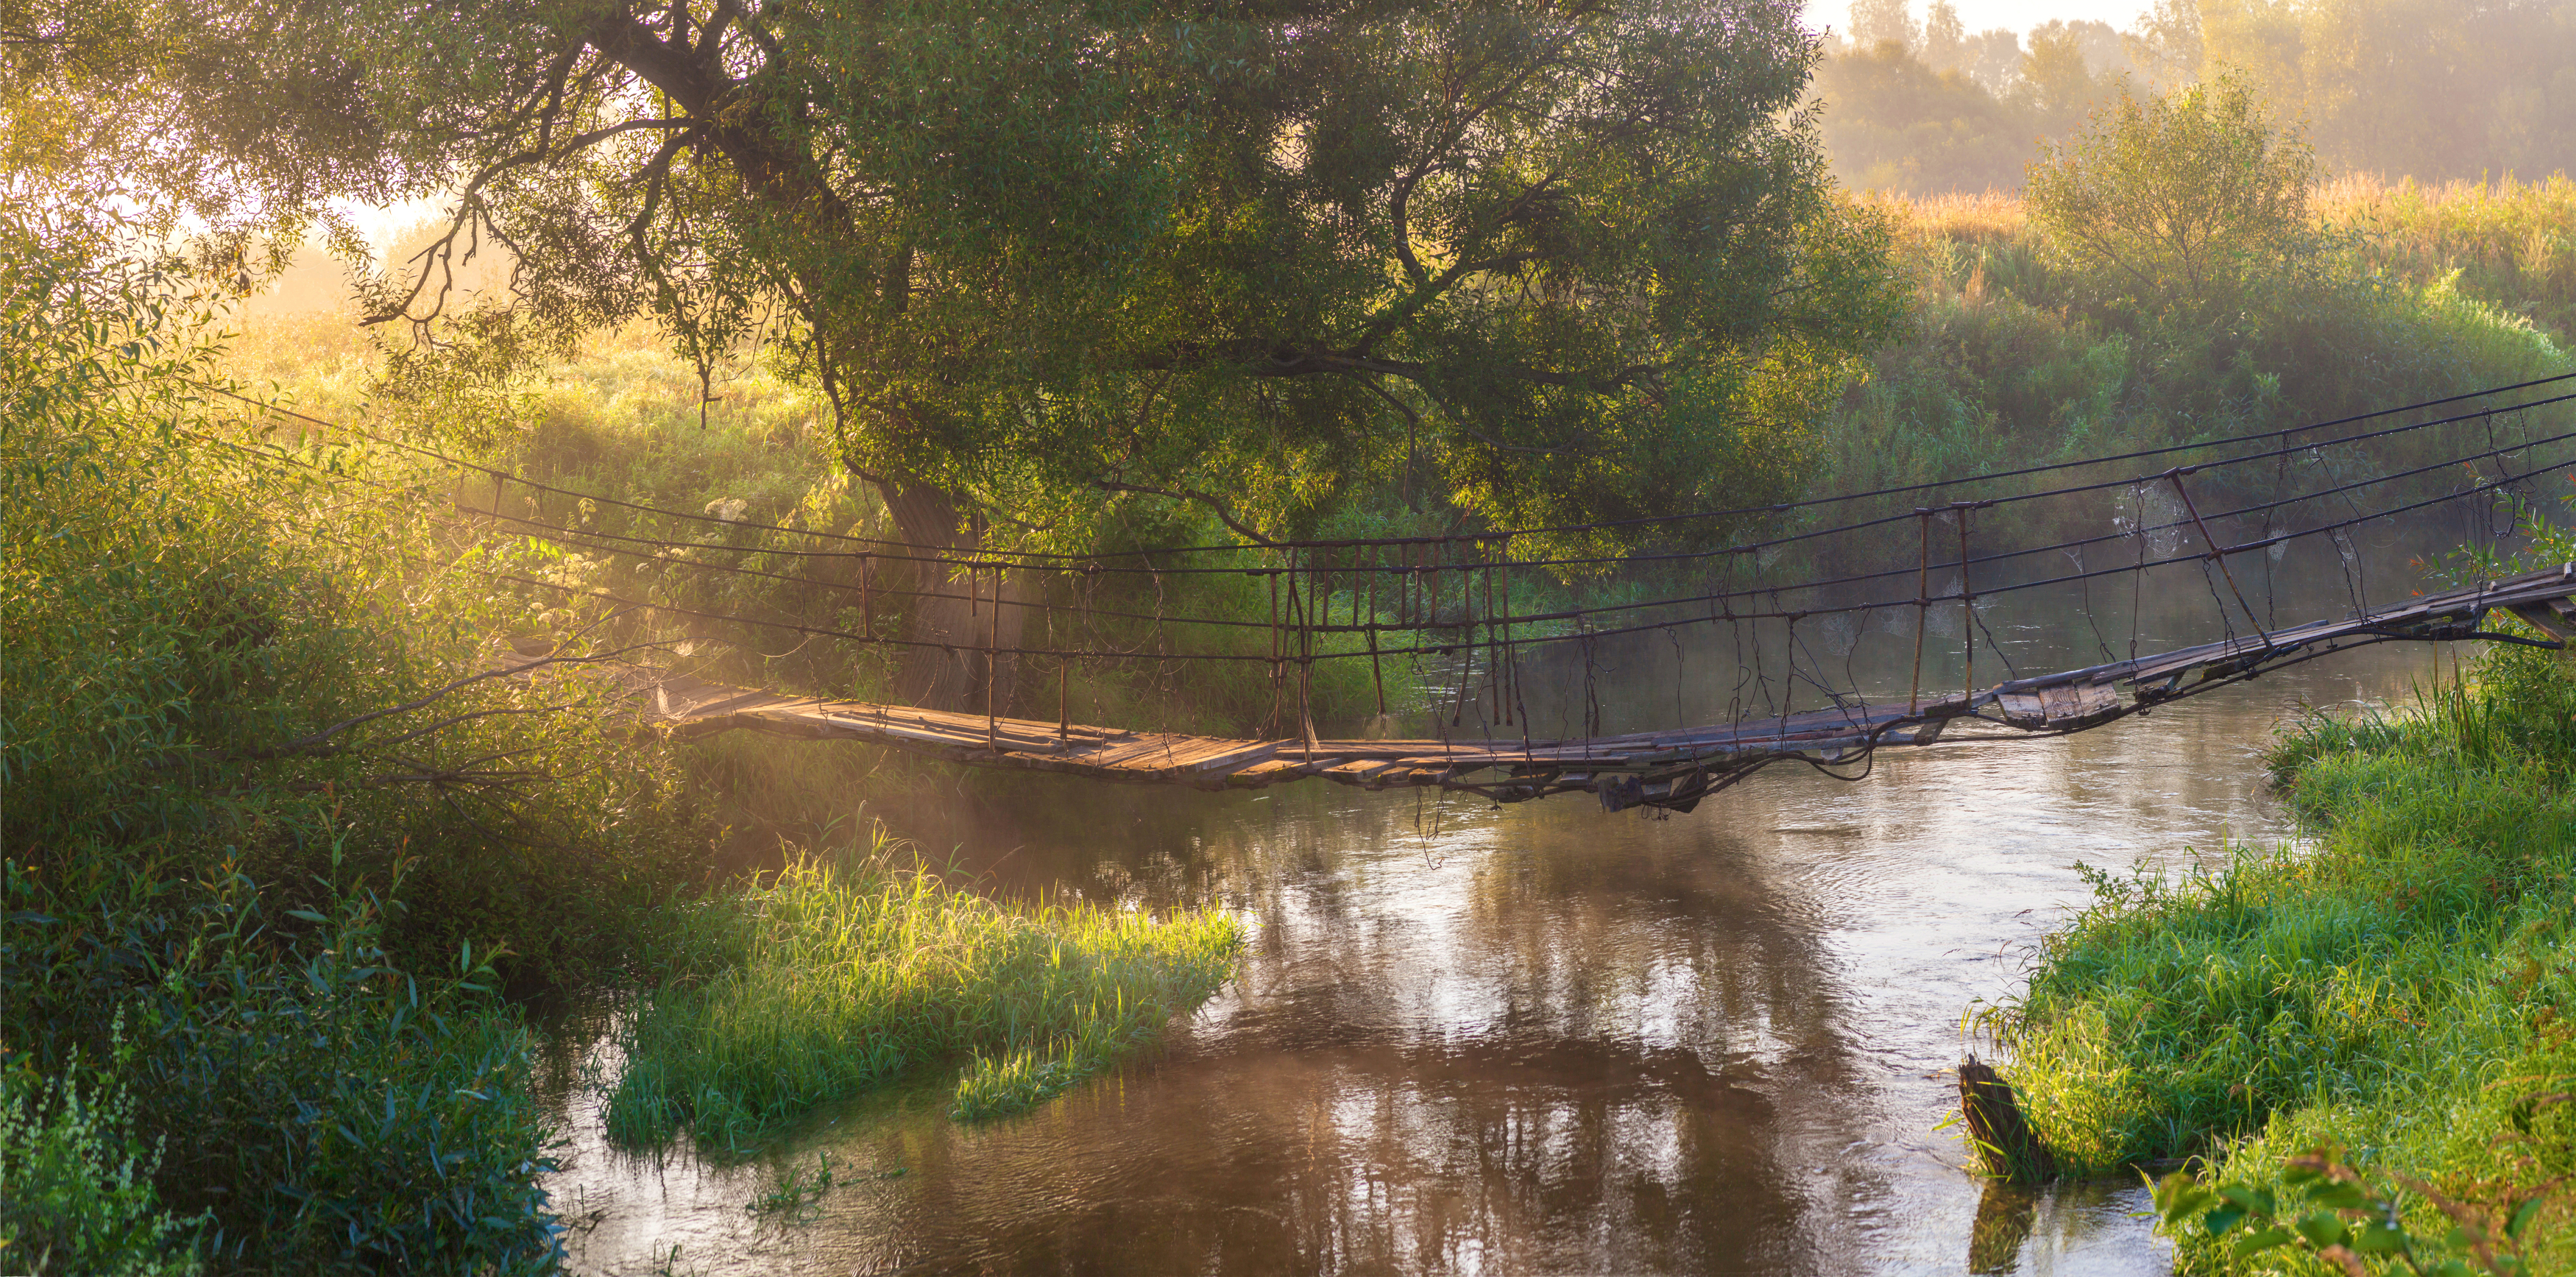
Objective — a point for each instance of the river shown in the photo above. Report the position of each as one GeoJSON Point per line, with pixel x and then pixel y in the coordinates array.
{"type": "Point", "coordinates": [1530, 1039]}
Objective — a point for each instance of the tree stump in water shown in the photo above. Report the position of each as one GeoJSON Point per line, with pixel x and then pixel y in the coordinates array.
{"type": "Point", "coordinates": [2005, 1143]}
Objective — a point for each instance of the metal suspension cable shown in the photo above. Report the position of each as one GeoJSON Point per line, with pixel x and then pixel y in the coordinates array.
{"type": "Point", "coordinates": [508, 476]}
{"type": "Point", "coordinates": [1587, 636]}
{"type": "Point", "coordinates": [824, 631]}
{"type": "Point", "coordinates": [578, 539]}
{"type": "Point", "coordinates": [1725, 597]}
{"type": "Point", "coordinates": [1683, 556]}
{"type": "Point", "coordinates": [1097, 562]}
{"type": "Point", "coordinates": [1794, 614]}
{"type": "Point", "coordinates": [1676, 556]}
{"type": "Point", "coordinates": [2058, 547]}
{"type": "Point", "coordinates": [1448, 649]}
{"type": "Point", "coordinates": [2069, 578]}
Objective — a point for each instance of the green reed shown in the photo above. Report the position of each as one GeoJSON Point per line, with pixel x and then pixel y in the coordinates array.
{"type": "Point", "coordinates": [835, 976]}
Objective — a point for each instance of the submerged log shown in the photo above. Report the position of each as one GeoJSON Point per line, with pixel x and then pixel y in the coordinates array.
{"type": "Point", "coordinates": [2005, 1144]}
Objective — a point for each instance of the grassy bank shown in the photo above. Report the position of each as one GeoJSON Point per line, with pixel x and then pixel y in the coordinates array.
{"type": "Point", "coordinates": [2372, 1028]}
{"type": "Point", "coordinates": [833, 976]}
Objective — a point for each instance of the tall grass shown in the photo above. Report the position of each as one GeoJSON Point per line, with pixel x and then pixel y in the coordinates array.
{"type": "Point", "coordinates": [2396, 990]}
{"type": "Point", "coordinates": [2511, 244]}
{"type": "Point", "coordinates": [833, 976]}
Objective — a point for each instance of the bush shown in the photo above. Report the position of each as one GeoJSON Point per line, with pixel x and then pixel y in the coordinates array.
{"type": "Point", "coordinates": [323, 1110]}
{"type": "Point", "coordinates": [240, 730]}
{"type": "Point", "coordinates": [2188, 205]}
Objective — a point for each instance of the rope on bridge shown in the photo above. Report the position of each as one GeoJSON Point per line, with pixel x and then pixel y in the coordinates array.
{"type": "Point", "coordinates": [1307, 582]}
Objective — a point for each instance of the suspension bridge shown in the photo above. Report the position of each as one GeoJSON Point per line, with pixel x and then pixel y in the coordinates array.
{"type": "Point", "coordinates": [1453, 601]}
{"type": "Point", "coordinates": [1670, 769]}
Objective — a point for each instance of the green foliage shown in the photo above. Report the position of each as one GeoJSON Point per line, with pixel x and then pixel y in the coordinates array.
{"type": "Point", "coordinates": [1893, 123]}
{"type": "Point", "coordinates": [794, 1193]}
{"type": "Point", "coordinates": [2507, 244]}
{"type": "Point", "coordinates": [2435, 89]}
{"type": "Point", "coordinates": [2188, 206]}
{"type": "Point", "coordinates": [231, 754]}
{"type": "Point", "coordinates": [2339, 1216]}
{"type": "Point", "coordinates": [76, 1191]}
{"type": "Point", "coordinates": [325, 1109]}
{"type": "Point", "coordinates": [1931, 109]}
{"type": "Point", "coordinates": [213, 651]}
{"type": "Point", "coordinates": [831, 978]}
{"type": "Point", "coordinates": [2014, 357]}
{"type": "Point", "coordinates": [1567, 264]}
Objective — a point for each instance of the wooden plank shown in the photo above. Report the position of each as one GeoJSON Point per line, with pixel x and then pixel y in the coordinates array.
{"type": "Point", "coordinates": [1144, 752]}
{"type": "Point", "coordinates": [1243, 754]}
{"type": "Point", "coordinates": [2546, 618]}
{"type": "Point", "coordinates": [1405, 776]}
{"type": "Point", "coordinates": [1188, 753]}
{"type": "Point", "coordinates": [1362, 771]}
{"type": "Point", "coordinates": [2082, 705]}
{"type": "Point", "coordinates": [1269, 771]}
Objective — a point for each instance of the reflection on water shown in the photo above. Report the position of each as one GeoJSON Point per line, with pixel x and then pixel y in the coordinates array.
{"type": "Point", "coordinates": [1530, 1039]}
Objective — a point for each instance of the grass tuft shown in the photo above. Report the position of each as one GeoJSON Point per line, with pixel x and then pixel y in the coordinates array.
{"type": "Point", "coordinates": [833, 977]}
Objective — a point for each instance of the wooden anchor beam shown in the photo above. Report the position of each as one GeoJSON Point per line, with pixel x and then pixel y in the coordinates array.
{"type": "Point", "coordinates": [1670, 769]}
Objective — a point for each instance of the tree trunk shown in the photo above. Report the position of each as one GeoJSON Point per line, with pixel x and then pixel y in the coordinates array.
{"type": "Point", "coordinates": [955, 609]}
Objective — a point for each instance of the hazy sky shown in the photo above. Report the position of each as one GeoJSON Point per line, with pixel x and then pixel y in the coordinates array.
{"type": "Point", "coordinates": [1977, 15]}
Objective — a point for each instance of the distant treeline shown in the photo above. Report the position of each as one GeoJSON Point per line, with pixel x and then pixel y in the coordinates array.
{"type": "Point", "coordinates": [2433, 89]}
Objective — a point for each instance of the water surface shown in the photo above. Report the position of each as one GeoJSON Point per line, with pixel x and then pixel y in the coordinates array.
{"type": "Point", "coordinates": [1529, 1039]}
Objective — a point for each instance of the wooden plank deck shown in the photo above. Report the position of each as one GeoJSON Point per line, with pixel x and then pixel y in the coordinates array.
{"type": "Point", "coordinates": [1672, 768]}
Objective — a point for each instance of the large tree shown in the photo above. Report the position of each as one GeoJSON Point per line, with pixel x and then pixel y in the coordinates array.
{"type": "Point", "coordinates": [1529, 261]}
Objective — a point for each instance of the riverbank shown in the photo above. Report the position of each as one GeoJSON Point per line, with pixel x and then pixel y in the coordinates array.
{"type": "Point", "coordinates": [2393, 994]}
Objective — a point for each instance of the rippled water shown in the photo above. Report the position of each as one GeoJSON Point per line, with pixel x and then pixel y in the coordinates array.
{"type": "Point", "coordinates": [1542, 1038]}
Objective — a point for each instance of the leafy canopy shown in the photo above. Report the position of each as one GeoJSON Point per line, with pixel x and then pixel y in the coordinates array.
{"type": "Point", "coordinates": [1534, 261]}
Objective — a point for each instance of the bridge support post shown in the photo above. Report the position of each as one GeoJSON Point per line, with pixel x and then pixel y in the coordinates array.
{"type": "Point", "coordinates": [1967, 606]}
{"type": "Point", "coordinates": [1922, 608]}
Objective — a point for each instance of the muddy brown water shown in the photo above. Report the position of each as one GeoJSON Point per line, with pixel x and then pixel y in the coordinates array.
{"type": "Point", "coordinates": [1530, 1039]}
